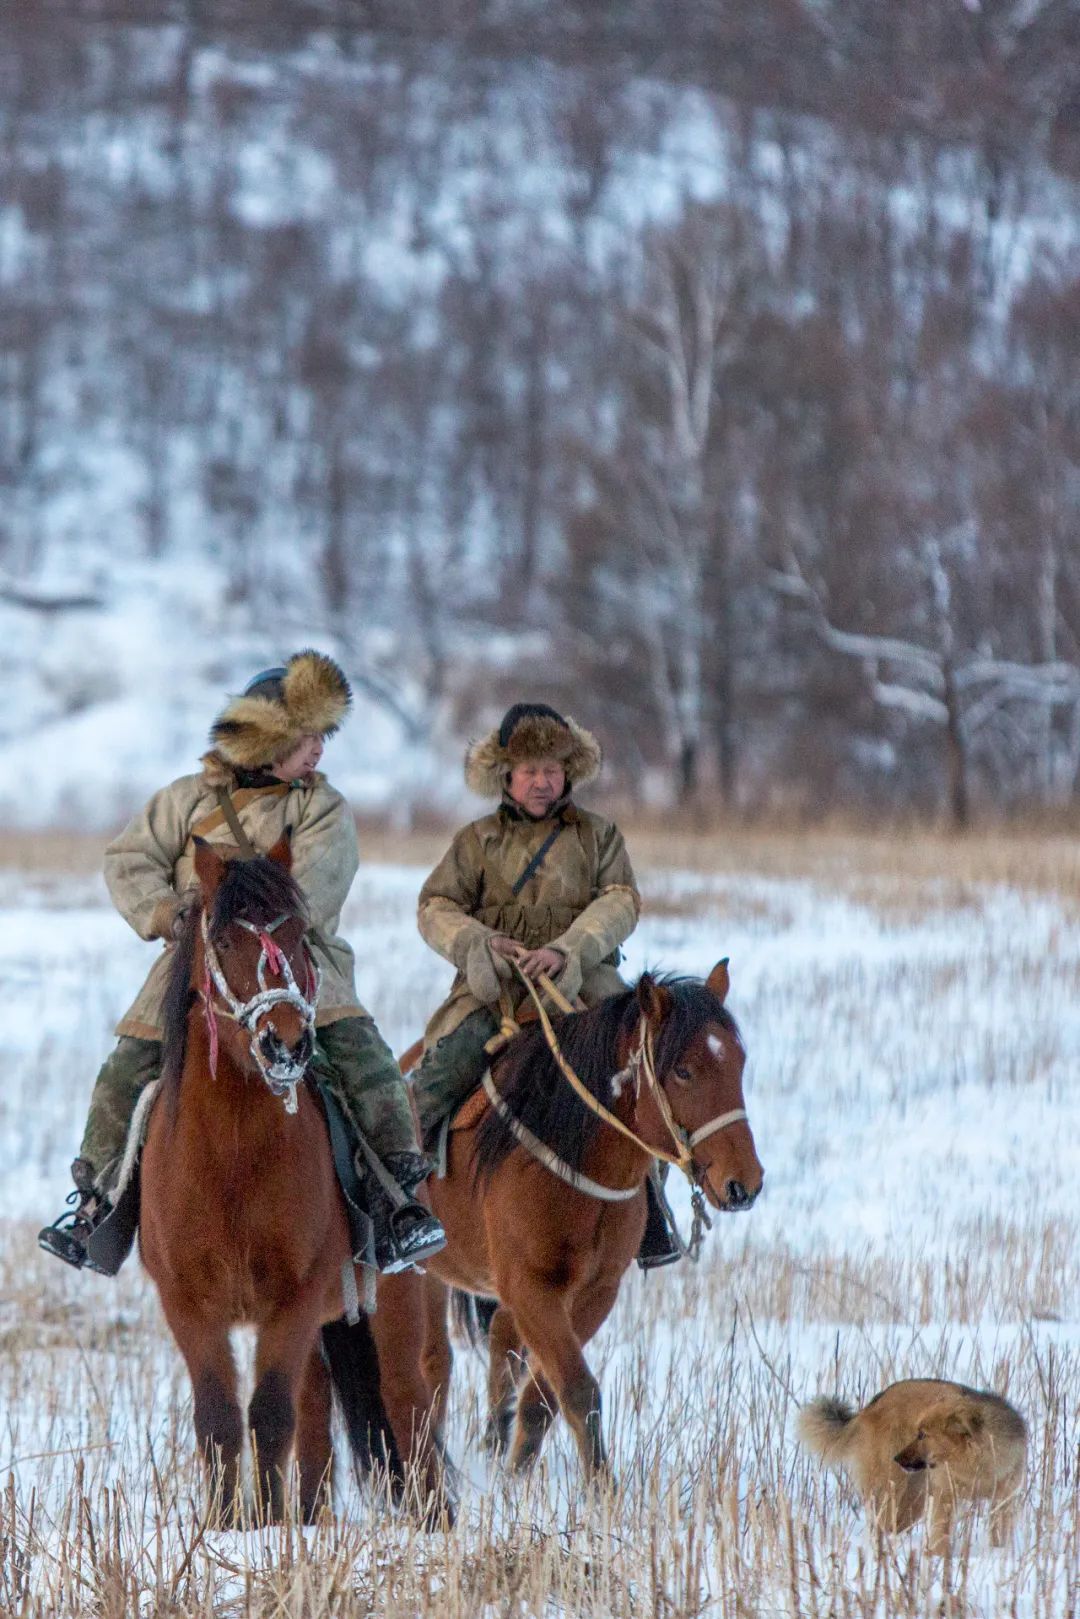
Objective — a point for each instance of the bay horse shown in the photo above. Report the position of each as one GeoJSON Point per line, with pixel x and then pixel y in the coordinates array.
{"type": "Point", "coordinates": [544, 1199]}
{"type": "Point", "coordinates": [242, 1221]}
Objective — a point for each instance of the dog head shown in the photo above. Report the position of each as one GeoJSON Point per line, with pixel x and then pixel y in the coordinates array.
{"type": "Point", "coordinates": [946, 1434]}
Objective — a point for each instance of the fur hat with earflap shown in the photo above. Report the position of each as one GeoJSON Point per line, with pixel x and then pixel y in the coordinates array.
{"type": "Point", "coordinates": [309, 695]}
{"type": "Point", "coordinates": [531, 731]}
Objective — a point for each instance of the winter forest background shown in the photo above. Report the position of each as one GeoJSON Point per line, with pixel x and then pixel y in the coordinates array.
{"type": "Point", "coordinates": [710, 370]}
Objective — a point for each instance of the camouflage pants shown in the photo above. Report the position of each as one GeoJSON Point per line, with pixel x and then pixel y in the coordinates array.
{"type": "Point", "coordinates": [450, 1070]}
{"type": "Point", "coordinates": [356, 1063]}
{"type": "Point", "coordinates": [351, 1056]}
{"type": "Point", "coordinates": [123, 1077]}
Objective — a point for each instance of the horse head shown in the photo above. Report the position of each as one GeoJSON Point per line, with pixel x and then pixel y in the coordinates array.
{"type": "Point", "coordinates": [689, 1064]}
{"type": "Point", "coordinates": [252, 967]}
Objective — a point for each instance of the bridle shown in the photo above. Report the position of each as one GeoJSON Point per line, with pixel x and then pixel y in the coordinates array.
{"type": "Point", "coordinates": [282, 1077]}
{"type": "Point", "coordinates": [640, 1072]}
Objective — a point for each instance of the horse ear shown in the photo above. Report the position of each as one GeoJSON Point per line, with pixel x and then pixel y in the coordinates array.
{"type": "Point", "coordinates": [281, 853]}
{"type": "Point", "coordinates": [653, 998]}
{"type": "Point", "coordinates": [719, 980]}
{"type": "Point", "coordinates": [209, 868]}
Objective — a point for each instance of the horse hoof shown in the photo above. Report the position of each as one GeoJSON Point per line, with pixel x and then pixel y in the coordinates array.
{"type": "Point", "coordinates": [496, 1436]}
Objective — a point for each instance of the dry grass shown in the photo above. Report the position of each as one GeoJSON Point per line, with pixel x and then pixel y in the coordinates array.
{"type": "Point", "coordinates": [927, 866]}
{"type": "Point", "coordinates": [716, 1513]}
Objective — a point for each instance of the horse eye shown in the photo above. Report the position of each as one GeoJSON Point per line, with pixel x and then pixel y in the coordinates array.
{"type": "Point", "coordinates": [682, 1073]}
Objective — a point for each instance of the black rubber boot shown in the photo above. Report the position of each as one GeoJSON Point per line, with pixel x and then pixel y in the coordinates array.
{"type": "Point", "coordinates": [405, 1234]}
{"type": "Point", "coordinates": [658, 1245]}
{"type": "Point", "coordinates": [68, 1236]}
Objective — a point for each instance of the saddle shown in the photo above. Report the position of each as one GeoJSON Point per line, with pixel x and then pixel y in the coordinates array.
{"type": "Point", "coordinates": [466, 1116]}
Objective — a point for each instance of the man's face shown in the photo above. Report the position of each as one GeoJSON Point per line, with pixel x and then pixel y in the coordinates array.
{"type": "Point", "coordinates": [301, 761]}
{"type": "Point", "coordinates": [535, 784]}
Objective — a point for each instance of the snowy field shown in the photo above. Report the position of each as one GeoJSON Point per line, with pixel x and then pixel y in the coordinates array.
{"type": "Point", "coordinates": [912, 1086]}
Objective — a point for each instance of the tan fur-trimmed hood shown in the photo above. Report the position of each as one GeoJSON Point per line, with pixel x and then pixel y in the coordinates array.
{"type": "Point", "coordinates": [534, 736]}
{"type": "Point", "coordinates": [256, 730]}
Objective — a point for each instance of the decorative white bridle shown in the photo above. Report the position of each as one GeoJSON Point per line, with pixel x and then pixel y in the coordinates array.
{"type": "Point", "coordinates": [281, 1077]}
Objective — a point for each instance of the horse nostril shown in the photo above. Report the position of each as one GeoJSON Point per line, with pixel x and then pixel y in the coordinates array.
{"type": "Point", "coordinates": [737, 1193]}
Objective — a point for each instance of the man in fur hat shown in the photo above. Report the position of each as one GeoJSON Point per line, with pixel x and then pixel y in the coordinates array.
{"type": "Point", "coordinates": [540, 882]}
{"type": "Point", "coordinates": [259, 779]}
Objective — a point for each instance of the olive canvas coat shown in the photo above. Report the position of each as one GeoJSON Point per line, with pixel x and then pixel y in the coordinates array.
{"type": "Point", "coordinates": [151, 863]}
{"type": "Point", "coordinates": [583, 900]}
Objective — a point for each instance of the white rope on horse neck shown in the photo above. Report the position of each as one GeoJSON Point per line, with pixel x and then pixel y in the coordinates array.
{"type": "Point", "coordinates": [281, 1080]}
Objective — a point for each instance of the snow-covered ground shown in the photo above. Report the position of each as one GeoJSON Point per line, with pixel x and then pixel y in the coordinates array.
{"type": "Point", "coordinates": [911, 1088]}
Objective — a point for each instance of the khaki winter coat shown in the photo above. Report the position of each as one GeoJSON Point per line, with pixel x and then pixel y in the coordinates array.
{"type": "Point", "coordinates": [149, 866]}
{"type": "Point", "coordinates": [583, 901]}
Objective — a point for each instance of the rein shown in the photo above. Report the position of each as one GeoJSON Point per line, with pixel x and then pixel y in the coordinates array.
{"type": "Point", "coordinates": [642, 1063]}
{"type": "Point", "coordinates": [282, 1079]}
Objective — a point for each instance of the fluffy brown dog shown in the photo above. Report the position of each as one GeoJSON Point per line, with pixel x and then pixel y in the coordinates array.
{"type": "Point", "coordinates": [925, 1442]}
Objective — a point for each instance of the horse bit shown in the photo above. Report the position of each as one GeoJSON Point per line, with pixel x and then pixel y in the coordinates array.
{"type": "Point", "coordinates": [282, 1077]}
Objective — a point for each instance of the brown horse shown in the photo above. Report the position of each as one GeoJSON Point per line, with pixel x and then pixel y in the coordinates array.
{"type": "Point", "coordinates": [242, 1220]}
{"type": "Point", "coordinates": [544, 1200]}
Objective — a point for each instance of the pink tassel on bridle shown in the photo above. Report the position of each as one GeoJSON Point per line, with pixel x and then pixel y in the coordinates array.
{"type": "Point", "coordinates": [273, 954]}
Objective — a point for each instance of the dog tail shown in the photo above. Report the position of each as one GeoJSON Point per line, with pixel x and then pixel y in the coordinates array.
{"type": "Point", "coordinates": [825, 1427]}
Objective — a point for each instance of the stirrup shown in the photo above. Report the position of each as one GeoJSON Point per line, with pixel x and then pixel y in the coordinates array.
{"type": "Point", "coordinates": [67, 1237]}
{"type": "Point", "coordinates": [660, 1242]}
{"type": "Point", "coordinates": [405, 1237]}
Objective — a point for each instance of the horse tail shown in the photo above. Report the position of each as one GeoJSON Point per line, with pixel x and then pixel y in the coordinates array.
{"type": "Point", "coordinates": [353, 1363]}
{"type": "Point", "coordinates": [472, 1316]}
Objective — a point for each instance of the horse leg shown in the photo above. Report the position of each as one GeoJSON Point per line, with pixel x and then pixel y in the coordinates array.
{"type": "Point", "coordinates": [280, 1362]}
{"type": "Point", "coordinates": [535, 1409]}
{"type": "Point", "coordinates": [504, 1349]}
{"type": "Point", "coordinates": [219, 1423]}
{"type": "Point", "coordinates": [314, 1447]}
{"type": "Point", "coordinates": [545, 1324]}
{"type": "Point", "coordinates": [398, 1328]}
{"type": "Point", "coordinates": [436, 1359]}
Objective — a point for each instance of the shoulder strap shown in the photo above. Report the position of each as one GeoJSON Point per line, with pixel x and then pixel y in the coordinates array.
{"type": "Point", "coordinates": [243, 842]}
{"type": "Point", "coordinates": [537, 860]}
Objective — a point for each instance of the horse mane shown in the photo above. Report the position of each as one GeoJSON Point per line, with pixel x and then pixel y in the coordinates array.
{"type": "Point", "coordinates": [540, 1097]}
{"type": "Point", "coordinates": [257, 891]}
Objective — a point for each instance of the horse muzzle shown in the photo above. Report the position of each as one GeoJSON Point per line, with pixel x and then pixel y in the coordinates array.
{"type": "Point", "coordinates": [734, 1197]}
{"type": "Point", "coordinates": [282, 1066]}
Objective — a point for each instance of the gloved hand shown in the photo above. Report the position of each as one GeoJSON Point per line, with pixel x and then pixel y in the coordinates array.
{"type": "Point", "coordinates": [483, 971]}
{"type": "Point", "coordinates": [569, 979]}
{"type": "Point", "coordinates": [169, 916]}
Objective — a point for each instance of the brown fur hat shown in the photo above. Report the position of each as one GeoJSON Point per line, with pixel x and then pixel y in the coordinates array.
{"type": "Point", "coordinates": [310, 694]}
{"type": "Point", "coordinates": [531, 731]}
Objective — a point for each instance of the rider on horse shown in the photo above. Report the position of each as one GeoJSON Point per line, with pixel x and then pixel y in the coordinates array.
{"type": "Point", "coordinates": [541, 883]}
{"type": "Point", "coordinates": [258, 781]}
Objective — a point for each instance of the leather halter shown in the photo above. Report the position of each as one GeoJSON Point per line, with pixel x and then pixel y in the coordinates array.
{"type": "Point", "coordinates": [281, 1077]}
